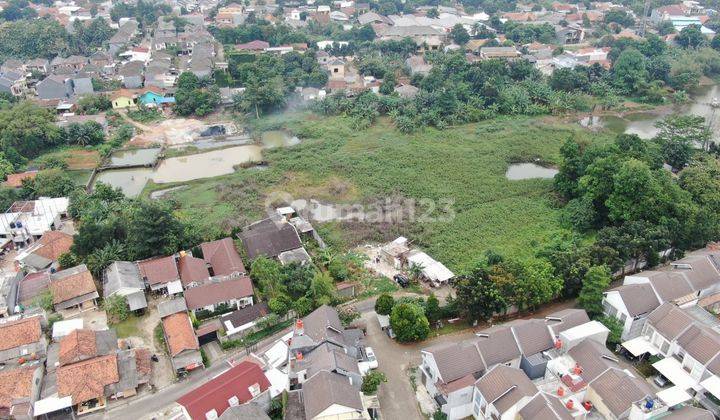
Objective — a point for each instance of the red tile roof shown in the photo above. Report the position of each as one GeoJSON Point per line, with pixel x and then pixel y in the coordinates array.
{"type": "Point", "coordinates": [214, 395]}
{"type": "Point", "coordinates": [179, 333]}
{"type": "Point", "coordinates": [20, 333]}
{"type": "Point", "coordinates": [192, 269]}
{"type": "Point", "coordinates": [15, 384]}
{"type": "Point", "coordinates": [223, 257]}
{"type": "Point", "coordinates": [216, 292]}
{"type": "Point", "coordinates": [52, 244]}
{"type": "Point", "coordinates": [77, 346]}
{"type": "Point", "coordinates": [86, 380]}
{"type": "Point", "coordinates": [159, 270]}
{"type": "Point", "coordinates": [64, 287]}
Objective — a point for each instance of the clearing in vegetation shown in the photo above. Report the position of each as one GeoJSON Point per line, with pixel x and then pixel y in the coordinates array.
{"type": "Point", "coordinates": [466, 164]}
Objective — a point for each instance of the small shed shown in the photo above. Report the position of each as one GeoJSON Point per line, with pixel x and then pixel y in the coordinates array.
{"type": "Point", "coordinates": [534, 365]}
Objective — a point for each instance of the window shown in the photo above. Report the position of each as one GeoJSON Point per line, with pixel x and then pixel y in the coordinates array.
{"type": "Point", "coordinates": [665, 347]}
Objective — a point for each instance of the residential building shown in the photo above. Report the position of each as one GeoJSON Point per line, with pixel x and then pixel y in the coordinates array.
{"type": "Point", "coordinates": [270, 237]}
{"type": "Point", "coordinates": [222, 258]}
{"type": "Point", "coordinates": [22, 338]}
{"type": "Point", "coordinates": [501, 393]}
{"type": "Point", "coordinates": [44, 252]}
{"type": "Point", "coordinates": [19, 389]}
{"type": "Point", "coordinates": [53, 87]}
{"type": "Point", "coordinates": [131, 74]}
{"type": "Point", "coordinates": [182, 343]}
{"type": "Point", "coordinates": [122, 278]}
{"type": "Point", "coordinates": [327, 396]}
{"type": "Point", "coordinates": [244, 383]}
{"type": "Point", "coordinates": [73, 289]}
{"type": "Point", "coordinates": [216, 294]}
{"type": "Point", "coordinates": [244, 320]}
{"type": "Point", "coordinates": [13, 83]}
{"type": "Point", "coordinates": [161, 274]}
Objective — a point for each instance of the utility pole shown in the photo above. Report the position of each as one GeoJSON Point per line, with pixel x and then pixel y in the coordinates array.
{"type": "Point", "coordinates": [646, 9]}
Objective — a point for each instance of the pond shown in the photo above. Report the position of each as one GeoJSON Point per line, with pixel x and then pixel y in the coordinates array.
{"type": "Point", "coordinates": [134, 157]}
{"type": "Point", "coordinates": [206, 165]}
{"type": "Point", "coordinates": [518, 171]}
{"type": "Point", "coordinates": [278, 138]}
{"type": "Point", "coordinates": [130, 181]}
{"type": "Point", "coordinates": [643, 123]}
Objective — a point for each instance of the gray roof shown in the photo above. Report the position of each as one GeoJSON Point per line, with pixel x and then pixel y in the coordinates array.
{"type": "Point", "coordinates": [700, 342]}
{"type": "Point", "coordinates": [132, 68]}
{"type": "Point", "coordinates": [327, 357]}
{"type": "Point", "coordinates": [323, 324]}
{"type": "Point", "coordinates": [412, 30]}
{"type": "Point", "coordinates": [269, 237]}
{"type": "Point", "coordinates": [294, 255]}
{"type": "Point", "coordinates": [119, 275]}
{"type": "Point", "coordinates": [325, 389]}
{"type": "Point", "coordinates": [669, 320]}
{"type": "Point", "coordinates": [136, 300]}
{"type": "Point", "coordinates": [669, 285]}
{"type": "Point", "coordinates": [249, 411]}
{"type": "Point", "coordinates": [544, 407]}
{"type": "Point", "coordinates": [703, 272]}
{"type": "Point", "coordinates": [619, 391]}
{"type": "Point", "coordinates": [246, 315]}
{"type": "Point", "coordinates": [504, 387]}
{"type": "Point", "coordinates": [127, 372]}
{"type": "Point", "coordinates": [532, 336]}
{"type": "Point", "coordinates": [171, 306]}
{"type": "Point", "coordinates": [497, 345]}
{"type": "Point", "coordinates": [593, 357]}
{"type": "Point", "coordinates": [566, 319]}
{"type": "Point", "coordinates": [457, 360]}
{"type": "Point", "coordinates": [638, 298]}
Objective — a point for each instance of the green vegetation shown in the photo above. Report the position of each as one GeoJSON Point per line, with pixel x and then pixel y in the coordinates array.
{"type": "Point", "coordinates": [409, 323]}
{"type": "Point", "coordinates": [371, 382]}
{"type": "Point", "coordinates": [384, 304]}
{"type": "Point", "coordinates": [129, 327]}
{"type": "Point", "coordinates": [159, 336]}
{"type": "Point", "coordinates": [597, 279]}
{"type": "Point", "coordinates": [256, 337]}
{"type": "Point", "coordinates": [117, 308]}
{"type": "Point", "coordinates": [145, 115]}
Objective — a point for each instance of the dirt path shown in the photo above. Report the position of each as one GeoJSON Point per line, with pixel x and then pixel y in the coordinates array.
{"type": "Point", "coordinates": [124, 116]}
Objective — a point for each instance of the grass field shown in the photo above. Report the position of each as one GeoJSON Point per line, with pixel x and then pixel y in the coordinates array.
{"type": "Point", "coordinates": [464, 164]}
{"type": "Point", "coordinates": [77, 157]}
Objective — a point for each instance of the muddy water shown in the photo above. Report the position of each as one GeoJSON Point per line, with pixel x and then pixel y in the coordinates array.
{"type": "Point", "coordinates": [518, 171]}
{"type": "Point", "coordinates": [136, 157]}
{"type": "Point", "coordinates": [643, 123]}
{"type": "Point", "coordinates": [205, 165]}
{"type": "Point", "coordinates": [130, 181]}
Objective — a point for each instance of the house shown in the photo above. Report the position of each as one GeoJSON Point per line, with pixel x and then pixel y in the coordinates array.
{"type": "Point", "coordinates": [19, 389]}
{"type": "Point", "coordinates": [242, 384]}
{"type": "Point", "coordinates": [254, 46]}
{"type": "Point", "coordinates": [123, 36]}
{"type": "Point", "coordinates": [573, 33]}
{"type": "Point", "coordinates": [256, 412]}
{"type": "Point", "coordinates": [630, 304]}
{"type": "Point", "coordinates": [270, 237]}
{"type": "Point", "coordinates": [418, 65]}
{"type": "Point", "coordinates": [161, 274]}
{"type": "Point", "coordinates": [182, 343]}
{"type": "Point", "coordinates": [406, 91]}
{"type": "Point", "coordinates": [122, 99]}
{"type": "Point", "coordinates": [617, 394]}
{"type": "Point", "coordinates": [13, 83]}
{"type": "Point", "coordinates": [222, 258]}
{"type": "Point", "coordinates": [501, 393]}
{"type": "Point", "coordinates": [73, 288]}
{"type": "Point", "coordinates": [81, 84]}
{"type": "Point", "coordinates": [39, 65]}
{"type": "Point", "coordinates": [243, 320]}
{"type": "Point", "coordinates": [372, 17]}
{"type": "Point", "coordinates": [431, 271]}
{"type": "Point", "coordinates": [131, 74]}
{"type": "Point", "coordinates": [15, 180]}
{"type": "Point", "coordinates": [487, 53]}
{"type": "Point", "coordinates": [101, 59]}
{"type": "Point", "coordinates": [32, 286]}
{"type": "Point", "coordinates": [327, 396]}
{"type": "Point", "coordinates": [87, 367]}
{"type": "Point", "coordinates": [53, 87]}
{"type": "Point", "coordinates": [26, 221]}
{"type": "Point", "coordinates": [192, 270]}
{"type": "Point", "coordinates": [122, 278]}
{"type": "Point", "coordinates": [172, 306]}
{"type": "Point", "coordinates": [72, 63]}
{"type": "Point", "coordinates": [217, 295]}
{"type": "Point", "coordinates": [425, 37]}
{"type": "Point", "coordinates": [22, 338]}
{"type": "Point", "coordinates": [44, 252]}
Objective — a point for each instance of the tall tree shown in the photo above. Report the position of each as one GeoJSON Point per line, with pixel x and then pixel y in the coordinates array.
{"type": "Point", "coordinates": [678, 134]}
{"type": "Point", "coordinates": [409, 323]}
{"type": "Point", "coordinates": [478, 297]}
{"type": "Point", "coordinates": [595, 282]}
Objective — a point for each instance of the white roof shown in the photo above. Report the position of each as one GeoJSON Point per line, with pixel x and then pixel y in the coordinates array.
{"type": "Point", "coordinates": [39, 220]}
{"type": "Point", "coordinates": [584, 330]}
{"type": "Point", "coordinates": [174, 287]}
{"type": "Point", "coordinates": [277, 355]}
{"type": "Point", "coordinates": [639, 346]}
{"type": "Point", "coordinates": [63, 328]}
{"type": "Point", "coordinates": [712, 385]}
{"type": "Point", "coordinates": [431, 269]}
{"type": "Point", "coordinates": [384, 320]}
{"type": "Point", "coordinates": [50, 404]}
{"type": "Point", "coordinates": [672, 369]}
{"type": "Point", "coordinates": [285, 210]}
{"type": "Point", "coordinates": [279, 382]}
{"type": "Point", "coordinates": [673, 396]}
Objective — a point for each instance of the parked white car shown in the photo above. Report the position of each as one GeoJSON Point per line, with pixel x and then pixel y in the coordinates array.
{"type": "Point", "coordinates": [369, 362]}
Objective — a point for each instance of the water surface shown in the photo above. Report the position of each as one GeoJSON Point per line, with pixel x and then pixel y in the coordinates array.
{"type": "Point", "coordinates": [518, 171]}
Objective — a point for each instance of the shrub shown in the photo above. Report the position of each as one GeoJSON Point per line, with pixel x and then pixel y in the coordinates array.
{"type": "Point", "coordinates": [371, 382]}
{"type": "Point", "coordinates": [409, 323]}
{"type": "Point", "coordinates": [117, 308]}
{"type": "Point", "coordinates": [384, 304]}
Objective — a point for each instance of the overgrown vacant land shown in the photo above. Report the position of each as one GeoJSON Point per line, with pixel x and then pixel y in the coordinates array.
{"type": "Point", "coordinates": [466, 164]}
